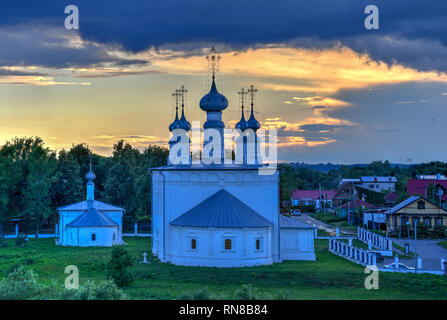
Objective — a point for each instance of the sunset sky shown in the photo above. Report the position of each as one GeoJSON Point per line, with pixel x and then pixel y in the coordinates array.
{"type": "Point", "coordinates": [335, 91]}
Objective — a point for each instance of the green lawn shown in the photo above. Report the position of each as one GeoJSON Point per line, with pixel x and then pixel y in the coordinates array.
{"type": "Point", "coordinates": [330, 277]}
{"type": "Point", "coordinates": [443, 244]}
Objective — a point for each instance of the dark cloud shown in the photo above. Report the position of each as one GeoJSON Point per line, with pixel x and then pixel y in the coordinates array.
{"type": "Point", "coordinates": [419, 27]}
{"type": "Point", "coordinates": [8, 72]}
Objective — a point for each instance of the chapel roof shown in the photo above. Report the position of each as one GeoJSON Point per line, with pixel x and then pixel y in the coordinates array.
{"type": "Point", "coordinates": [83, 206]}
{"type": "Point", "coordinates": [92, 218]}
{"type": "Point", "coordinates": [222, 210]}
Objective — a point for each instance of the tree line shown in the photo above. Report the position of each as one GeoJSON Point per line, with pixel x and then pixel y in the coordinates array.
{"type": "Point", "coordinates": [35, 180]}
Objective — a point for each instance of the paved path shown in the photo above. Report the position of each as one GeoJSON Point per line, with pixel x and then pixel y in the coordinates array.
{"type": "Point", "coordinates": [305, 217]}
{"type": "Point", "coordinates": [427, 249]}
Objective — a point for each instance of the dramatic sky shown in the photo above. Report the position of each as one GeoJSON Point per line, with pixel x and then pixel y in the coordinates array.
{"type": "Point", "coordinates": [335, 91]}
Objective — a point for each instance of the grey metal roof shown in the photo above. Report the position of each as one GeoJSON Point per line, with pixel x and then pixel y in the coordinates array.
{"type": "Point", "coordinates": [378, 179]}
{"type": "Point", "coordinates": [402, 204]}
{"type": "Point", "coordinates": [222, 210]}
{"type": "Point", "coordinates": [83, 205]}
{"type": "Point", "coordinates": [92, 218]}
{"type": "Point", "coordinates": [290, 223]}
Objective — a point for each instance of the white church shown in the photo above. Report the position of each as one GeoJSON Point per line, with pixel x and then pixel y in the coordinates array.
{"type": "Point", "coordinates": [90, 222]}
{"type": "Point", "coordinates": [219, 214]}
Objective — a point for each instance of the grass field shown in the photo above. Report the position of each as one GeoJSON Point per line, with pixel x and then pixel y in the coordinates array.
{"type": "Point", "coordinates": [330, 277]}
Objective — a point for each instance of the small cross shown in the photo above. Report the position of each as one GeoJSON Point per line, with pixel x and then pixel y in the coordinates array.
{"type": "Point", "coordinates": [182, 92]}
{"type": "Point", "coordinates": [252, 92]}
{"type": "Point", "coordinates": [242, 93]}
{"type": "Point", "coordinates": [213, 58]}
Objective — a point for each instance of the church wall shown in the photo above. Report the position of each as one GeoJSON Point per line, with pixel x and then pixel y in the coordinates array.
{"type": "Point", "coordinates": [83, 236]}
{"type": "Point", "coordinates": [117, 217]}
{"type": "Point", "coordinates": [186, 189]}
{"type": "Point", "coordinates": [65, 217]}
{"type": "Point", "coordinates": [210, 247]}
{"type": "Point", "coordinates": [297, 244]}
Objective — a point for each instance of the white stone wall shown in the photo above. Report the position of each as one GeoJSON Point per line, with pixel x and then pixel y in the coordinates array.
{"type": "Point", "coordinates": [210, 247]}
{"type": "Point", "coordinates": [297, 244]}
{"type": "Point", "coordinates": [83, 236]}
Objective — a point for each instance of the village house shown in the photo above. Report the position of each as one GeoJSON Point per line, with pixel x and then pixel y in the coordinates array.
{"type": "Point", "coordinates": [314, 198]}
{"type": "Point", "coordinates": [433, 187]}
{"type": "Point", "coordinates": [416, 209]}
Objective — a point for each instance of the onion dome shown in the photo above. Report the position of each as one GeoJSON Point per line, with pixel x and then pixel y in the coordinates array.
{"type": "Point", "coordinates": [252, 123]}
{"type": "Point", "coordinates": [242, 124]}
{"type": "Point", "coordinates": [174, 124]}
{"type": "Point", "coordinates": [213, 100]}
{"type": "Point", "coordinates": [90, 175]}
{"type": "Point", "coordinates": [183, 123]}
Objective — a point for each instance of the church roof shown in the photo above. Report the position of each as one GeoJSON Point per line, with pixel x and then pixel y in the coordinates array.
{"type": "Point", "coordinates": [222, 210]}
{"type": "Point", "coordinates": [92, 218]}
{"type": "Point", "coordinates": [83, 205]}
{"type": "Point", "coordinates": [290, 223]}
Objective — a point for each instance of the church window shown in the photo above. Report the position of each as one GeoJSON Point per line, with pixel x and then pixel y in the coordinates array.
{"type": "Point", "coordinates": [227, 244]}
{"type": "Point", "coordinates": [93, 237]}
{"type": "Point", "coordinates": [193, 244]}
{"type": "Point", "coordinates": [421, 205]}
{"type": "Point", "coordinates": [258, 244]}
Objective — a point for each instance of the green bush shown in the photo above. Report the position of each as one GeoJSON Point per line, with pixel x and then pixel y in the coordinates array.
{"type": "Point", "coordinates": [20, 284]}
{"type": "Point", "coordinates": [21, 240]}
{"type": "Point", "coordinates": [118, 266]}
{"type": "Point", "coordinates": [91, 290]}
{"type": "Point", "coordinates": [248, 293]}
{"type": "Point", "coordinates": [199, 294]}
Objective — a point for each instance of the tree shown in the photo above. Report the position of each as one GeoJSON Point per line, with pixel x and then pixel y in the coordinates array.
{"type": "Point", "coordinates": [118, 266]}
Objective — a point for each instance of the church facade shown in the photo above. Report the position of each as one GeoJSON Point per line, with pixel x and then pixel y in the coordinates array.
{"type": "Point", "coordinates": [220, 214]}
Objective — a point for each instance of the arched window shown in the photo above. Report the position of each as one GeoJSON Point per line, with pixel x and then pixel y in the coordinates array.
{"type": "Point", "coordinates": [93, 237]}
{"type": "Point", "coordinates": [227, 244]}
{"type": "Point", "coordinates": [258, 244]}
{"type": "Point", "coordinates": [193, 244]}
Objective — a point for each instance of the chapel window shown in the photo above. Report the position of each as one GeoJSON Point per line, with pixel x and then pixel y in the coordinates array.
{"type": "Point", "coordinates": [258, 244]}
{"type": "Point", "coordinates": [227, 244]}
{"type": "Point", "coordinates": [93, 237]}
{"type": "Point", "coordinates": [193, 244]}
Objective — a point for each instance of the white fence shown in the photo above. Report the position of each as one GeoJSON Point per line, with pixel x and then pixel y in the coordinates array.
{"type": "Point", "coordinates": [373, 240]}
{"type": "Point", "coordinates": [422, 266]}
{"type": "Point", "coordinates": [354, 254]}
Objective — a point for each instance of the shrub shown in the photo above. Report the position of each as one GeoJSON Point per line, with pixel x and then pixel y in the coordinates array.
{"type": "Point", "coordinates": [199, 294]}
{"type": "Point", "coordinates": [21, 240]}
{"type": "Point", "coordinates": [20, 284]}
{"type": "Point", "coordinates": [91, 290]}
{"type": "Point", "coordinates": [248, 293]}
{"type": "Point", "coordinates": [118, 267]}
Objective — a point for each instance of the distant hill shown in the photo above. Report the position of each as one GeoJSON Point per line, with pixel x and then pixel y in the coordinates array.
{"type": "Point", "coordinates": [326, 167]}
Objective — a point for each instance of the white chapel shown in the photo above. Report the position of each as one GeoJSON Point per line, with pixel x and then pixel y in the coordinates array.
{"type": "Point", "coordinates": [222, 215]}
{"type": "Point", "coordinates": [90, 222]}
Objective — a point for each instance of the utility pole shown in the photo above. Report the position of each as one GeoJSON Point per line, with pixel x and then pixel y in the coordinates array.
{"type": "Point", "coordinates": [415, 238]}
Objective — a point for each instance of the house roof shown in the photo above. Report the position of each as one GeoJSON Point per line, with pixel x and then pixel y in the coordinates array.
{"type": "Point", "coordinates": [290, 223]}
{"type": "Point", "coordinates": [356, 204]}
{"type": "Point", "coordinates": [92, 218]}
{"type": "Point", "coordinates": [378, 179]}
{"type": "Point", "coordinates": [221, 210]}
{"type": "Point", "coordinates": [83, 205]}
{"type": "Point", "coordinates": [390, 197]}
{"type": "Point", "coordinates": [313, 194]}
{"type": "Point", "coordinates": [418, 186]}
{"type": "Point", "coordinates": [402, 204]}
